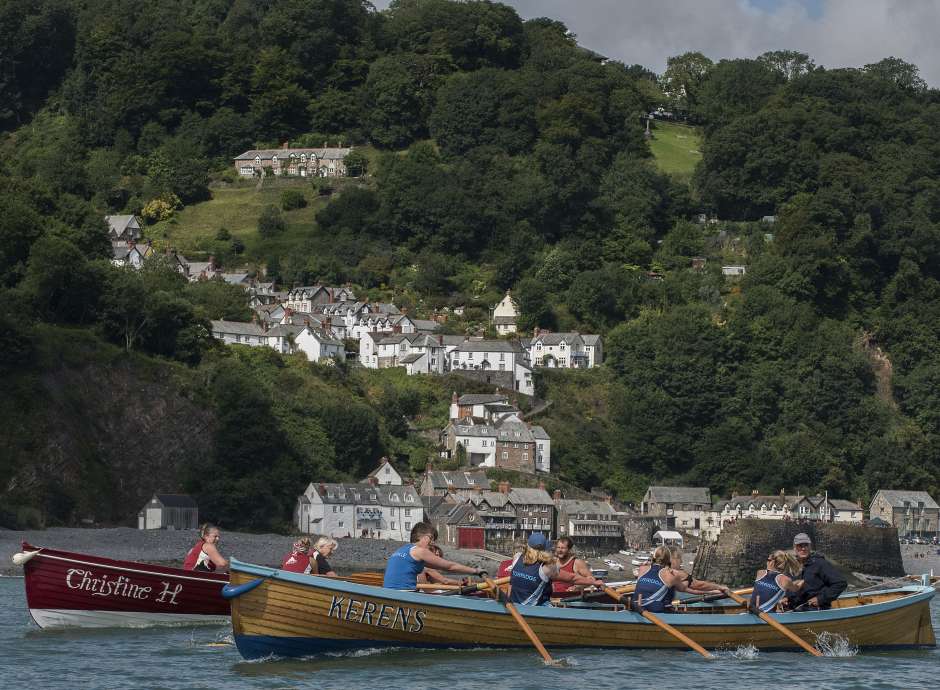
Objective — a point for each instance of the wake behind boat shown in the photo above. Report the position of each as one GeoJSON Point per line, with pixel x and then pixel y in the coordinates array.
{"type": "Point", "coordinates": [286, 614]}
{"type": "Point", "coordinates": [66, 589]}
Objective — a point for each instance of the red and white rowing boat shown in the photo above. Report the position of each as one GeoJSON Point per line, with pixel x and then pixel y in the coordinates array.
{"type": "Point", "coordinates": [78, 590]}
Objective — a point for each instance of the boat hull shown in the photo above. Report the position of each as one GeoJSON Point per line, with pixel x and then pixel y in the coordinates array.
{"type": "Point", "coordinates": [295, 615]}
{"type": "Point", "coordinates": [65, 589]}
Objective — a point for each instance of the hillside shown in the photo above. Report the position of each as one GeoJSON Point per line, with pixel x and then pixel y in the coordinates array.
{"type": "Point", "coordinates": [498, 155]}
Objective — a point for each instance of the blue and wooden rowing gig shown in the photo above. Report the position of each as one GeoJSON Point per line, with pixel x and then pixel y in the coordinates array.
{"type": "Point", "coordinates": [291, 615]}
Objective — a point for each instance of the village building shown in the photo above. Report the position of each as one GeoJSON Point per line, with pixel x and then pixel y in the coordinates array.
{"type": "Point", "coordinates": [385, 475]}
{"type": "Point", "coordinates": [169, 511]}
{"type": "Point", "coordinates": [683, 507]}
{"type": "Point", "coordinates": [507, 443]}
{"type": "Point", "coordinates": [199, 270]}
{"type": "Point", "coordinates": [474, 404]}
{"type": "Point", "coordinates": [315, 343]}
{"type": "Point", "coordinates": [379, 511]}
{"type": "Point", "coordinates": [505, 315]}
{"type": "Point", "coordinates": [497, 362]}
{"type": "Point", "coordinates": [592, 525]}
{"type": "Point", "coordinates": [124, 228]}
{"type": "Point", "coordinates": [559, 350]}
{"type": "Point", "coordinates": [238, 333]}
{"type": "Point", "coordinates": [461, 484]}
{"type": "Point", "coordinates": [913, 513]}
{"type": "Point", "coordinates": [594, 349]}
{"type": "Point", "coordinates": [733, 271]}
{"type": "Point", "coordinates": [130, 254]}
{"type": "Point", "coordinates": [305, 297]}
{"type": "Point", "coordinates": [458, 524]}
{"type": "Point", "coordinates": [296, 162]}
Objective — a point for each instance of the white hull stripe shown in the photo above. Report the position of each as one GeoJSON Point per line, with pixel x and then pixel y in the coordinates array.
{"type": "Point", "coordinates": [126, 570]}
{"type": "Point", "coordinates": [72, 618]}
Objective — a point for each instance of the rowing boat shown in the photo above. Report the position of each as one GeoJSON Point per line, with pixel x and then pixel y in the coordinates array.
{"type": "Point", "coordinates": [287, 614]}
{"type": "Point", "coordinates": [65, 589]}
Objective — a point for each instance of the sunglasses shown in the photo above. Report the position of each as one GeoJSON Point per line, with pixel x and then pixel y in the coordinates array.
{"type": "Point", "coordinates": [801, 546]}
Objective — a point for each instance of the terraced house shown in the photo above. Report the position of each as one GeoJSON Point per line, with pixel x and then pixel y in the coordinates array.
{"type": "Point", "coordinates": [913, 513]}
{"type": "Point", "coordinates": [386, 511]}
{"type": "Point", "coordinates": [299, 162]}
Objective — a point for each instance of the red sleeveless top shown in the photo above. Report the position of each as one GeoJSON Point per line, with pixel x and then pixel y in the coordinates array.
{"type": "Point", "coordinates": [559, 587]}
{"type": "Point", "coordinates": [297, 562]}
{"type": "Point", "coordinates": [195, 555]}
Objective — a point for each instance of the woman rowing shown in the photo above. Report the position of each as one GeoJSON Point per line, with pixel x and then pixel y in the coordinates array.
{"type": "Point", "coordinates": [535, 569]}
{"type": "Point", "coordinates": [776, 581]}
{"type": "Point", "coordinates": [205, 554]}
{"type": "Point", "coordinates": [658, 581]}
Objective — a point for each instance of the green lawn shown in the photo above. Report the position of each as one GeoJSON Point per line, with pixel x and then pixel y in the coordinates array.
{"type": "Point", "coordinates": [237, 208]}
{"type": "Point", "coordinates": [676, 148]}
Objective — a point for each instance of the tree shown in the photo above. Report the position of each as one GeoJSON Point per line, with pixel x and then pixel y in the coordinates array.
{"type": "Point", "coordinates": [63, 285]}
{"type": "Point", "coordinates": [271, 222]}
{"type": "Point", "coordinates": [357, 163]}
{"type": "Point", "coordinates": [534, 308]}
{"type": "Point", "coordinates": [292, 199]}
{"type": "Point", "coordinates": [790, 64]}
{"type": "Point", "coordinates": [895, 70]}
{"type": "Point", "coordinates": [399, 93]}
{"type": "Point", "coordinates": [683, 78]}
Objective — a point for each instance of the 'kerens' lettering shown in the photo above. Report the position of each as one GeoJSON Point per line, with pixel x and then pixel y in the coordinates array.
{"type": "Point", "coordinates": [384, 616]}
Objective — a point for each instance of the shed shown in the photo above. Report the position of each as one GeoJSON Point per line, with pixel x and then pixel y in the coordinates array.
{"type": "Point", "coordinates": [667, 538]}
{"type": "Point", "coordinates": [169, 511]}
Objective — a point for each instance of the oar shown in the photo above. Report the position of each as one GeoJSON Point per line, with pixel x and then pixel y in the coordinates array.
{"type": "Point", "coordinates": [477, 586]}
{"type": "Point", "coordinates": [710, 597]}
{"type": "Point", "coordinates": [431, 587]}
{"type": "Point", "coordinates": [778, 626]}
{"type": "Point", "coordinates": [500, 596]}
{"type": "Point", "coordinates": [653, 618]}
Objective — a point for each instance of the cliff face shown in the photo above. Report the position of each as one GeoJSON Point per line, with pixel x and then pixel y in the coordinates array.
{"type": "Point", "coordinates": [742, 549]}
{"type": "Point", "coordinates": [92, 434]}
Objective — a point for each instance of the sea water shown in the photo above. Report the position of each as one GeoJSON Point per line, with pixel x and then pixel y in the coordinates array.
{"type": "Point", "coordinates": [203, 657]}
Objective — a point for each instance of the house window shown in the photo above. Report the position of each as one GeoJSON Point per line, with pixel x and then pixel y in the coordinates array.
{"type": "Point", "coordinates": [392, 523]}
{"type": "Point", "coordinates": [409, 498]}
{"type": "Point", "coordinates": [407, 525]}
{"type": "Point", "coordinates": [525, 456]}
{"type": "Point", "coordinates": [334, 509]}
{"type": "Point", "coordinates": [340, 523]}
{"type": "Point", "coordinates": [505, 455]}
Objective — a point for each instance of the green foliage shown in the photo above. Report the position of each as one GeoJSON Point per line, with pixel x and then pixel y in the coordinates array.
{"type": "Point", "coordinates": [291, 199]}
{"type": "Point", "coordinates": [270, 222]}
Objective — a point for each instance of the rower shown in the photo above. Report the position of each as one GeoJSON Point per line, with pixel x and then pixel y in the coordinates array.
{"type": "Point", "coordinates": [535, 569]}
{"type": "Point", "coordinates": [774, 582]}
{"type": "Point", "coordinates": [568, 563]}
{"type": "Point", "coordinates": [299, 560]}
{"type": "Point", "coordinates": [693, 586]}
{"type": "Point", "coordinates": [205, 554]}
{"type": "Point", "coordinates": [409, 561]}
{"type": "Point", "coordinates": [658, 581]}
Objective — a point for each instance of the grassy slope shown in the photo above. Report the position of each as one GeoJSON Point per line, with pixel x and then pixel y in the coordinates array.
{"type": "Point", "coordinates": [677, 148]}
{"type": "Point", "coordinates": [237, 208]}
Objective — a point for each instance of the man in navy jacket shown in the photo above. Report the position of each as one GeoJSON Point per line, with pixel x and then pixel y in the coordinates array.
{"type": "Point", "coordinates": [822, 583]}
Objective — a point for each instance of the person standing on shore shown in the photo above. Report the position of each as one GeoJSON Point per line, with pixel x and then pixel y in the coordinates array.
{"type": "Point", "coordinates": [822, 583]}
{"type": "Point", "coordinates": [205, 552]}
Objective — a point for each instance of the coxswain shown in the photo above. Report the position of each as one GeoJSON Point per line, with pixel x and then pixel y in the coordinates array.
{"type": "Point", "coordinates": [569, 563]}
{"type": "Point", "coordinates": [535, 569]}
{"type": "Point", "coordinates": [299, 560]}
{"type": "Point", "coordinates": [408, 562]}
{"type": "Point", "coordinates": [324, 549]}
{"type": "Point", "coordinates": [775, 582]}
{"type": "Point", "coordinates": [205, 553]}
{"type": "Point", "coordinates": [822, 583]}
{"type": "Point", "coordinates": [658, 581]}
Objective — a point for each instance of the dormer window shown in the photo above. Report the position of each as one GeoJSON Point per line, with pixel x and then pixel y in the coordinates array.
{"type": "Point", "coordinates": [394, 498]}
{"type": "Point", "coordinates": [409, 498]}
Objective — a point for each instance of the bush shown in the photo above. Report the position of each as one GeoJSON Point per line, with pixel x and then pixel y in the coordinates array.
{"type": "Point", "coordinates": [292, 199]}
{"type": "Point", "coordinates": [161, 208]}
{"type": "Point", "coordinates": [271, 222]}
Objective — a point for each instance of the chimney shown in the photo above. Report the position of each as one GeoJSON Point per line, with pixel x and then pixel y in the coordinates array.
{"type": "Point", "coordinates": [329, 292]}
{"type": "Point", "coordinates": [322, 488]}
{"type": "Point", "coordinates": [404, 310]}
{"type": "Point", "coordinates": [783, 492]}
{"type": "Point", "coordinates": [396, 328]}
{"type": "Point", "coordinates": [556, 495]}
{"type": "Point", "coordinates": [373, 481]}
{"type": "Point", "coordinates": [285, 145]}
{"type": "Point", "coordinates": [755, 492]}
{"type": "Point", "coordinates": [306, 322]}
{"type": "Point", "coordinates": [454, 397]}
{"type": "Point", "coordinates": [541, 485]}
{"type": "Point", "coordinates": [325, 144]}
{"type": "Point", "coordinates": [504, 487]}
{"type": "Point", "coordinates": [440, 340]}
{"type": "Point", "coordinates": [535, 332]}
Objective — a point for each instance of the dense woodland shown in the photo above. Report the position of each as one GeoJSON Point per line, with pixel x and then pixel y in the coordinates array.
{"type": "Point", "coordinates": [509, 157]}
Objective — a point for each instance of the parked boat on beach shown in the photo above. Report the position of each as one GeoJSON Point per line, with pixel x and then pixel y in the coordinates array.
{"type": "Point", "coordinates": [65, 589]}
{"type": "Point", "coordinates": [290, 615]}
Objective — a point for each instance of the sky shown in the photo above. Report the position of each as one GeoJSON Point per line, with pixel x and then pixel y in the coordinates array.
{"type": "Point", "coordinates": [835, 33]}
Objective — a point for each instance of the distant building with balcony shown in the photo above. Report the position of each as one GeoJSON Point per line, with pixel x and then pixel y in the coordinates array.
{"type": "Point", "coordinates": [593, 526]}
{"type": "Point", "coordinates": [683, 507]}
{"type": "Point", "coordinates": [913, 513]}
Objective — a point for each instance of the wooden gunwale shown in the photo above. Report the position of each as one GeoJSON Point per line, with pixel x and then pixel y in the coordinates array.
{"type": "Point", "coordinates": [290, 614]}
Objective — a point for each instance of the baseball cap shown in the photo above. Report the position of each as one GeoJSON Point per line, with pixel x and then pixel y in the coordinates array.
{"type": "Point", "coordinates": [537, 540]}
{"type": "Point", "coordinates": [802, 538]}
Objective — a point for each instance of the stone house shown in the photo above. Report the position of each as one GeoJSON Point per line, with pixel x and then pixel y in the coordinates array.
{"type": "Point", "coordinates": [684, 507]}
{"type": "Point", "coordinates": [535, 510]}
{"type": "Point", "coordinates": [913, 513]}
{"type": "Point", "coordinates": [301, 162]}
{"type": "Point", "coordinates": [474, 404]}
{"type": "Point", "coordinates": [505, 314]}
{"type": "Point", "coordinates": [592, 525]}
{"type": "Point", "coordinates": [305, 297]}
{"type": "Point", "coordinates": [507, 444]}
{"type": "Point", "coordinates": [124, 228]}
{"type": "Point", "coordinates": [458, 524]}
{"type": "Point", "coordinates": [460, 484]}
{"type": "Point", "coordinates": [336, 510]}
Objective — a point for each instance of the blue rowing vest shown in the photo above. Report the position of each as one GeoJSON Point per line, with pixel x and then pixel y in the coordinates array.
{"type": "Point", "coordinates": [401, 571]}
{"type": "Point", "coordinates": [652, 594]}
{"type": "Point", "coordinates": [767, 593]}
{"type": "Point", "coordinates": [527, 585]}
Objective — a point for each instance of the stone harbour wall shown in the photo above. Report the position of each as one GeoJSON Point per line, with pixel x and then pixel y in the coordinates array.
{"type": "Point", "coordinates": [742, 549]}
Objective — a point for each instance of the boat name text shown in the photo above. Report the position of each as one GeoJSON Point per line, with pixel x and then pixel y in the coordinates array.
{"type": "Point", "coordinates": [121, 586]}
{"type": "Point", "coordinates": [379, 615]}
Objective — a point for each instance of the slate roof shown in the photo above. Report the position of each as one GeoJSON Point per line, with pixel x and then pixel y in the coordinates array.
{"type": "Point", "coordinates": [234, 278]}
{"type": "Point", "coordinates": [494, 499]}
{"type": "Point", "coordinates": [679, 494]}
{"type": "Point", "coordinates": [426, 325]}
{"type": "Point", "coordinates": [769, 500]}
{"type": "Point", "coordinates": [177, 501]}
{"type": "Point", "coordinates": [557, 338]}
{"type": "Point", "coordinates": [453, 339]}
{"type": "Point", "coordinates": [481, 398]}
{"type": "Point", "coordinates": [591, 340]}
{"type": "Point", "coordinates": [236, 327]}
{"type": "Point", "coordinates": [460, 514]}
{"type": "Point", "coordinates": [269, 154]}
{"type": "Point", "coordinates": [487, 346]}
{"type": "Point", "coordinates": [362, 494]}
{"type": "Point", "coordinates": [504, 320]}
{"type": "Point", "coordinates": [285, 330]}
{"type": "Point", "coordinates": [897, 498]}
{"type": "Point", "coordinates": [540, 434]}
{"type": "Point", "coordinates": [118, 224]}
{"type": "Point", "coordinates": [412, 358]}
{"type": "Point", "coordinates": [459, 479]}
{"type": "Point", "coordinates": [573, 506]}
{"type": "Point", "coordinates": [530, 497]}
{"type": "Point", "coordinates": [375, 472]}
{"type": "Point", "coordinates": [842, 504]}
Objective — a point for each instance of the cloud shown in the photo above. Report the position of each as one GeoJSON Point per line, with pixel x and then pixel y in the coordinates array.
{"type": "Point", "coordinates": [835, 33]}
